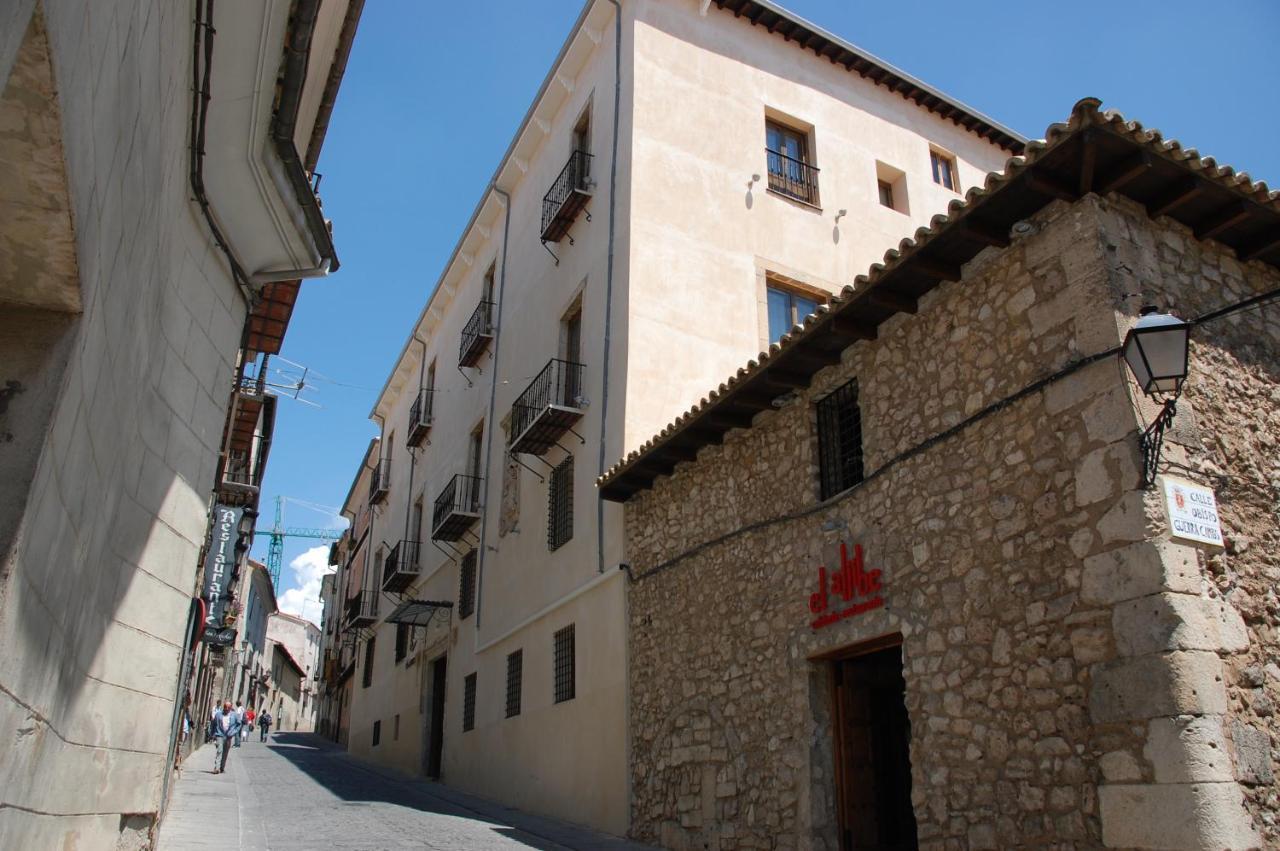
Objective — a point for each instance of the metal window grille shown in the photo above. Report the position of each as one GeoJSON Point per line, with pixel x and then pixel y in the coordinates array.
{"type": "Point", "coordinates": [368, 664]}
{"type": "Point", "coordinates": [560, 505]}
{"type": "Point", "coordinates": [515, 677]}
{"type": "Point", "coordinates": [840, 440]}
{"type": "Point", "coordinates": [564, 664]}
{"type": "Point", "coordinates": [402, 641]}
{"type": "Point", "coordinates": [467, 586]}
{"type": "Point", "coordinates": [377, 732]}
{"type": "Point", "coordinates": [469, 703]}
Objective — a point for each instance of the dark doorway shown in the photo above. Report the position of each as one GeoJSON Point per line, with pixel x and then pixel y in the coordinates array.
{"type": "Point", "coordinates": [873, 759]}
{"type": "Point", "coordinates": [435, 729]}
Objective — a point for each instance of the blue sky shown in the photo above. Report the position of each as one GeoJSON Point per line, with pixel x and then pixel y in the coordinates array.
{"type": "Point", "coordinates": [431, 100]}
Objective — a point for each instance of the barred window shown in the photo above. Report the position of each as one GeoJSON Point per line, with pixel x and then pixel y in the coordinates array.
{"type": "Point", "coordinates": [368, 665]}
{"type": "Point", "coordinates": [469, 703]}
{"type": "Point", "coordinates": [467, 586]}
{"type": "Point", "coordinates": [402, 640]}
{"type": "Point", "coordinates": [560, 505]}
{"type": "Point", "coordinates": [564, 664]}
{"type": "Point", "coordinates": [515, 676]}
{"type": "Point", "coordinates": [839, 440]}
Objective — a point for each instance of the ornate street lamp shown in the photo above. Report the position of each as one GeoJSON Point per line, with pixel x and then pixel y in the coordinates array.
{"type": "Point", "coordinates": [1156, 352]}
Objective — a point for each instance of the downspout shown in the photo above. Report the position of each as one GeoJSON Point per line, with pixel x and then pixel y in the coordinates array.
{"type": "Point", "coordinates": [608, 285]}
{"type": "Point", "coordinates": [493, 400]}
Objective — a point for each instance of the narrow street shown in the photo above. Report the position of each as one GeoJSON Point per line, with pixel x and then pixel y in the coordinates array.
{"type": "Point", "coordinates": [301, 791]}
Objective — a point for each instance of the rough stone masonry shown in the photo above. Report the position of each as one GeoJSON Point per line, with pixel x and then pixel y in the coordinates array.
{"type": "Point", "coordinates": [1074, 677]}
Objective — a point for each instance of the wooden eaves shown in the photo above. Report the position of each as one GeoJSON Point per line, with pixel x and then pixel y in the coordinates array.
{"type": "Point", "coordinates": [1092, 152]}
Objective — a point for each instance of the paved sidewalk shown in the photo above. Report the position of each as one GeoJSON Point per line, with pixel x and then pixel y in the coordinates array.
{"type": "Point", "coordinates": [300, 791]}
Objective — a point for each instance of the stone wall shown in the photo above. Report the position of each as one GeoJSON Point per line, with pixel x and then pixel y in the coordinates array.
{"type": "Point", "coordinates": [1019, 558]}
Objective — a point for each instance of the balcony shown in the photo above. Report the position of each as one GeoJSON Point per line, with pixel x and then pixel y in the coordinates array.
{"type": "Point", "coordinates": [793, 178]}
{"type": "Point", "coordinates": [548, 407]}
{"type": "Point", "coordinates": [362, 609]}
{"type": "Point", "coordinates": [380, 481]}
{"type": "Point", "coordinates": [566, 197]}
{"type": "Point", "coordinates": [400, 567]}
{"type": "Point", "coordinates": [457, 508]}
{"type": "Point", "coordinates": [420, 417]}
{"type": "Point", "coordinates": [476, 334]}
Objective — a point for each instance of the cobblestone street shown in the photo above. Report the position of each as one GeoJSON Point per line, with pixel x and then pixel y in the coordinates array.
{"type": "Point", "coordinates": [299, 791]}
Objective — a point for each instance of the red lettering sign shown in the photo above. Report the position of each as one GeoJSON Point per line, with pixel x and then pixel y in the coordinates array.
{"type": "Point", "coordinates": [852, 583]}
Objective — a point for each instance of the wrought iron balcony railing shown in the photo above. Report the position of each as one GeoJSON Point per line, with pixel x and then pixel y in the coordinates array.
{"type": "Point", "coordinates": [548, 407]}
{"type": "Point", "coordinates": [362, 609]}
{"type": "Point", "coordinates": [794, 178]}
{"type": "Point", "coordinates": [566, 197]}
{"type": "Point", "coordinates": [400, 567]}
{"type": "Point", "coordinates": [456, 509]}
{"type": "Point", "coordinates": [380, 481]}
{"type": "Point", "coordinates": [476, 334]}
{"type": "Point", "coordinates": [420, 417]}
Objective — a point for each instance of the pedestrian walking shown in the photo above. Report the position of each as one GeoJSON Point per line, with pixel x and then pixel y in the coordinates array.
{"type": "Point", "coordinates": [264, 724]}
{"type": "Point", "coordinates": [226, 731]}
{"type": "Point", "coordinates": [249, 717]}
{"type": "Point", "coordinates": [240, 718]}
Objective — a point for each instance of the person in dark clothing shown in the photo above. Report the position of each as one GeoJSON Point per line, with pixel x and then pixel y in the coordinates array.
{"type": "Point", "coordinates": [226, 730]}
{"type": "Point", "coordinates": [264, 724]}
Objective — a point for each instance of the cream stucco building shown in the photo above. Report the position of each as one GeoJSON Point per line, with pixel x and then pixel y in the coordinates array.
{"type": "Point", "coordinates": [691, 179]}
{"type": "Point", "coordinates": [157, 213]}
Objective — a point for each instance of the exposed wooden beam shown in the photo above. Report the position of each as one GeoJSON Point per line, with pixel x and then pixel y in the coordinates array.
{"type": "Point", "coordinates": [884, 297]}
{"type": "Point", "coordinates": [935, 268]}
{"type": "Point", "coordinates": [812, 359]}
{"type": "Point", "coordinates": [1179, 192]}
{"type": "Point", "coordinates": [1046, 184]}
{"type": "Point", "coordinates": [728, 419]}
{"type": "Point", "coordinates": [1221, 219]}
{"type": "Point", "coordinates": [1088, 159]}
{"type": "Point", "coordinates": [1259, 245]}
{"type": "Point", "coordinates": [1124, 172]}
{"type": "Point", "coordinates": [846, 326]}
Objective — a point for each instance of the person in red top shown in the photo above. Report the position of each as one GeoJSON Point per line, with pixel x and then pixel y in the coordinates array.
{"type": "Point", "coordinates": [249, 715]}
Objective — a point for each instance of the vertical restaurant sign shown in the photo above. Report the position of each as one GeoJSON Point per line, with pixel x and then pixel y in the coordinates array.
{"type": "Point", "coordinates": [219, 565]}
{"type": "Point", "coordinates": [846, 591]}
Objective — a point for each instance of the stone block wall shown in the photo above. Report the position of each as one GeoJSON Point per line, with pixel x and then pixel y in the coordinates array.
{"type": "Point", "coordinates": [1063, 659]}
{"type": "Point", "coordinates": [96, 583]}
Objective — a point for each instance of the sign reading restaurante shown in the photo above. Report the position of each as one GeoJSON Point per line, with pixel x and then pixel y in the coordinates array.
{"type": "Point", "coordinates": [852, 583]}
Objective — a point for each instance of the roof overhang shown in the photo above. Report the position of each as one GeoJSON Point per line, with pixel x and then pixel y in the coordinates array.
{"type": "Point", "coordinates": [1094, 151]}
{"type": "Point", "coordinates": [417, 612]}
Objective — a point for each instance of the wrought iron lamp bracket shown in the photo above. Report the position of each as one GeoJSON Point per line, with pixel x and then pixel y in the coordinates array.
{"type": "Point", "coordinates": [1151, 441]}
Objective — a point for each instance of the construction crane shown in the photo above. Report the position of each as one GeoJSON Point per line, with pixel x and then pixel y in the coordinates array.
{"type": "Point", "coordinates": [278, 532]}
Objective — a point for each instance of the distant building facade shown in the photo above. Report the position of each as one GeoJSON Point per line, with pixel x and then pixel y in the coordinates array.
{"type": "Point", "coordinates": [156, 216]}
{"type": "Point", "coordinates": [690, 181]}
{"type": "Point", "coordinates": [256, 602]}
{"type": "Point", "coordinates": [302, 639]}
{"type": "Point", "coordinates": [901, 583]}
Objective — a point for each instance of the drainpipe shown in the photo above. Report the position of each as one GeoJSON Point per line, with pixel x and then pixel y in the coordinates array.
{"type": "Point", "coordinates": [608, 285]}
{"type": "Point", "coordinates": [493, 400]}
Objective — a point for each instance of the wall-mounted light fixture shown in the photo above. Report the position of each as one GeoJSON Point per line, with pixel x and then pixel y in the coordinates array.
{"type": "Point", "coordinates": [755, 178]}
{"type": "Point", "coordinates": [1156, 352]}
{"type": "Point", "coordinates": [840, 214]}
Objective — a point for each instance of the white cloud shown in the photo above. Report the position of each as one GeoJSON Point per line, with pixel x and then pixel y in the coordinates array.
{"type": "Point", "coordinates": [303, 599]}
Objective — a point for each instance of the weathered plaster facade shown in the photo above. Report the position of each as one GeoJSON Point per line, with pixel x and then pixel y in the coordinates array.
{"type": "Point", "coordinates": [1074, 678]}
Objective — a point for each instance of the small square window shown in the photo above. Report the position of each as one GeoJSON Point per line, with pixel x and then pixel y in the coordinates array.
{"type": "Point", "coordinates": [565, 685]}
{"type": "Point", "coordinates": [839, 440]}
{"type": "Point", "coordinates": [886, 194]}
{"type": "Point", "coordinates": [944, 170]}
{"type": "Point", "coordinates": [515, 678]}
{"type": "Point", "coordinates": [469, 703]}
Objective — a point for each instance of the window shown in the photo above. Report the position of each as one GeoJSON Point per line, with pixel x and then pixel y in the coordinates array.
{"type": "Point", "coordinates": [515, 674]}
{"type": "Point", "coordinates": [886, 193]}
{"type": "Point", "coordinates": [791, 170]}
{"type": "Point", "coordinates": [564, 664]}
{"type": "Point", "coordinates": [368, 665]}
{"type": "Point", "coordinates": [839, 440]}
{"type": "Point", "coordinates": [944, 170]}
{"type": "Point", "coordinates": [377, 732]}
{"type": "Point", "coordinates": [469, 703]}
{"type": "Point", "coordinates": [467, 586]}
{"type": "Point", "coordinates": [560, 505]}
{"type": "Point", "coordinates": [402, 640]}
{"type": "Point", "coordinates": [786, 310]}
{"type": "Point", "coordinates": [395, 730]}
{"type": "Point", "coordinates": [582, 132]}
{"type": "Point", "coordinates": [475, 452]}
{"type": "Point", "coordinates": [571, 351]}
